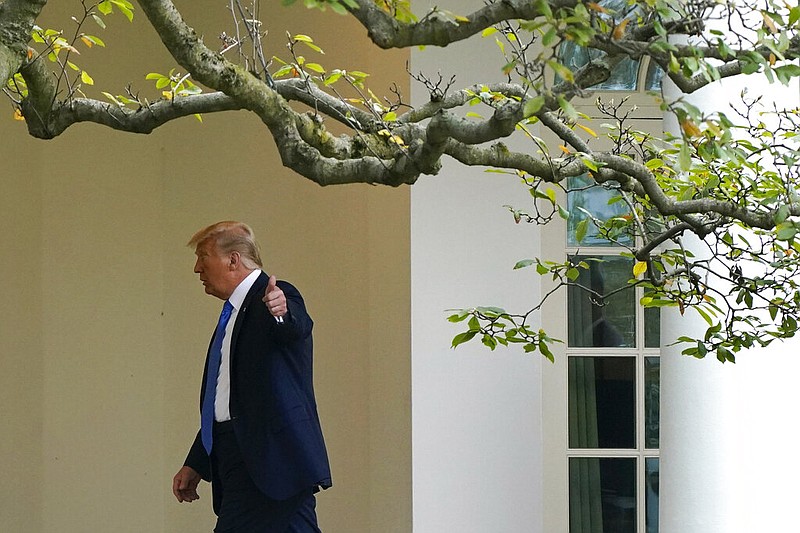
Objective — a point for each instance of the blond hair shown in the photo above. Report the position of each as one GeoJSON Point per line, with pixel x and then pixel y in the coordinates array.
{"type": "Point", "coordinates": [231, 236]}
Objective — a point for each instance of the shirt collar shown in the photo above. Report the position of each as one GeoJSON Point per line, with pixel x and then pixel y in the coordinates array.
{"type": "Point", "coordinates": [239, 293]}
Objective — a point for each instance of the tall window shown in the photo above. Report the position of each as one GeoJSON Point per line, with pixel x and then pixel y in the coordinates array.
{"type": "Point", "coordinates": [613, 380]}
{"type": "Point", "coordinates": [627, 75]}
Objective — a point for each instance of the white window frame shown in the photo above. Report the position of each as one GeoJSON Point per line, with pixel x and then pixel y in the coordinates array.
{"type": "Point", "coordinates": [555, 390]}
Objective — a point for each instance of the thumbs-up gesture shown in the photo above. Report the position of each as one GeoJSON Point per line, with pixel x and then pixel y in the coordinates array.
{"type": "Point", "coordinates": [274, 298]}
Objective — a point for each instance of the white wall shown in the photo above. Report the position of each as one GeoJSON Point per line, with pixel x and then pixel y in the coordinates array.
{"type": "Point", "coordinates": [728, 431]}
{"type": "Point", "coordinates": [476, 414]}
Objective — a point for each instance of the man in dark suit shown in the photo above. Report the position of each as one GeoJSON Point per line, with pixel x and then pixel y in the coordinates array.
{"type": "Point", "coordinates": [260, 442]}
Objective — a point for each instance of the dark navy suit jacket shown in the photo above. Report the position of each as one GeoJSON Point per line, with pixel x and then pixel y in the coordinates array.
{"type": "Point", "coordinates": [272, 404]}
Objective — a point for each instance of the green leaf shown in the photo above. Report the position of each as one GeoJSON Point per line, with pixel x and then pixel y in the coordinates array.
{"type": "Point", "coordinates": [113, 99]}
{"type": "Point", "coordinates": [530, 347]}
{"type": "Point", "coordinates": [544, 8]}
{"type": "Point", "coordinates": [794, 15]}
{"type": "Point", "coordinates": [524, 263]}
{"type": "Point", "coordinates": [338, 8]}
{"type": "Point", "coordinates": [125, 100]}
{"type": "Point", "coordinates": [283, 71]}
{"type": "Point", "coordinates": [458, 317]}
{"type": "Point", "coordinates": [591, 165]}
{"type": "Point", "coordinates": [724, 355]}
{"type": "Point", "coordinates": [785, 231]}
{"type": "Point", "coordinates": [491, 312]}
{"type": "Point", "coordinates": [95, 40]}
{"type": "Point", "coordinates": [314, 47]}
{"type": "Point", "coordinates": [549, 36]}
{"type": "Point", "coordinates": [85, 78]}
{"type": "Point", "coordinates": [653, 164]}
{"type": "Point", "coordinates": [573, 273]}
{"type": "Point", "coordinates": [781, 214]}
{"type": "Point", "coordinates": [125, 7]}
{"type": "Point", "coordinates": [580, 230]}
{"type": "Point", "coordinates": [533, 106]}
{"type": "Point", "coordinates": [316, 67]}
{"type": "Point", "coordinates": [105, 7]}
{"type": "Point", "coordinates": [567, 108]}
{"type": "Point", "coordinates": [685, 158]}
{"type": "Point", "coordinates": [461, 338]}
{"type": "Point", "coordinates": [546, 351]}
{"type": "Point", "coordinates": [489, 341]}
{"type": "Point", "coordinates": [333, 78]}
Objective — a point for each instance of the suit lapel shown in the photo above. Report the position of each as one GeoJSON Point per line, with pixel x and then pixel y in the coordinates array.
{"type": "Point", "coordinates": [253, 298]}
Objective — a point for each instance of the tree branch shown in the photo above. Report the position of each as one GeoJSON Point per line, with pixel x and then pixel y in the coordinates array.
{"type": "Point", "coordinates": [285, 124]}
{"type": "Point", "coordinates": [437, 28]}
{"type": "Point", "coordinates": [17, 18]}
{"type": "Point", "coordinates": [143, 120]}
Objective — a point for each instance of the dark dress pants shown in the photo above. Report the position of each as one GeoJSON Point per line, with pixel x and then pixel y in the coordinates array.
{"type": "Point", "coordinates": [241, 506]}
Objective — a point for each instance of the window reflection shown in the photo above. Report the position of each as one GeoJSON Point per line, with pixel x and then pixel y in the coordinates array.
{"type": "Point", "coordinates": [623, 77]}
{"type": "Point", "coordinates": [654, 75]}
{"type": "Point", "coordinates": [652, 327]}
{"type": "Point", "coordinates": [651, 494]}
{"type": "Point", "coordinates": [602, 495]}
{"type": "Point", "coordinates": [596, 320]}
{"type": "Point", "coordinates": [602, 402]}
{"type": "Point", "coordinates": [652, 393]}
{"type": "Point", "coordinates": [600, 202]}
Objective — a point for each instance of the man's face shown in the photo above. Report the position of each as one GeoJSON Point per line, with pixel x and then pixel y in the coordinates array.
{"type": "Point", "coordinates": [213, 268]}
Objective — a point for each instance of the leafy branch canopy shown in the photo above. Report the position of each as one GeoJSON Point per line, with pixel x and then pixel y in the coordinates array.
{"type": "Point", "coordinates": [727, 180]}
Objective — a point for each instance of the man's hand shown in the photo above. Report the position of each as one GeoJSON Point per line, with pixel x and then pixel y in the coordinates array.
{"type": "Point", "coordinates": [274, 298]}
{"type": "Point", "coordinates": [184, 484]}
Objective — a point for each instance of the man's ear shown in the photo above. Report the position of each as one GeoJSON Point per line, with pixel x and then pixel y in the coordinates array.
{"type": "Point", "coordinates": [234, 260]}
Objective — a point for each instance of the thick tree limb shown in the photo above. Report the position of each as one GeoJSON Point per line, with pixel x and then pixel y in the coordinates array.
{"type": "Point", "coordinates": [285, 124]}
{"type": "Point", "coordinates": [143, 120]}
{"type": "Point", "coordinates": [17, 18]}
{"type": "Point", "coordinates": [437, 28]}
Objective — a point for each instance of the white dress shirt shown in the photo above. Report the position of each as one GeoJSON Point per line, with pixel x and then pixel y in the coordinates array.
{"type": "Point", "coordinates": [222, 408]}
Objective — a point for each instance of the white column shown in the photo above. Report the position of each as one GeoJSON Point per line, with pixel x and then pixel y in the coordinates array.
{"type": "Point", "coordinates": [728, 431]}
{"type": "Point", "coordinates": [698, 478]}
{"type": "Point", "coordinates": [728, 434]}
{"type": "Point", "coordinates": [476, 414]}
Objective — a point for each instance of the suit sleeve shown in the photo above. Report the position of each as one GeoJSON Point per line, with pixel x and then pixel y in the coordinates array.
{"type": "Point", "coordinates": [198, 460]}
{"type": "Point", "coordinates": [297, 324]}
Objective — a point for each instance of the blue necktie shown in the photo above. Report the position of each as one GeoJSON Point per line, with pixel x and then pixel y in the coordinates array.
{"type": "Point", "coordinates": [214, 359]}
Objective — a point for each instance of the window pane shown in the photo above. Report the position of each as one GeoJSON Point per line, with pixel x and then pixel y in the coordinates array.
{"type": "Point", "coordinates": [654, 75]}
{"type": "Point", "coordinates": [652, 392]}
{"type": "Point", "coordinates": [652, 327]}
{"type": "Point", "coordinates": [602, 495]}
{"type": "Point", "coordinates": [594, 321]}
{"type": "Point", "coordinates": [599, 202]}
{"type": "Point", "coordinates": [651, 495]}
{"type": "Point", "coordinates": [623, 77]}
{"type": "Point", "coordinates": [602, 402]}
